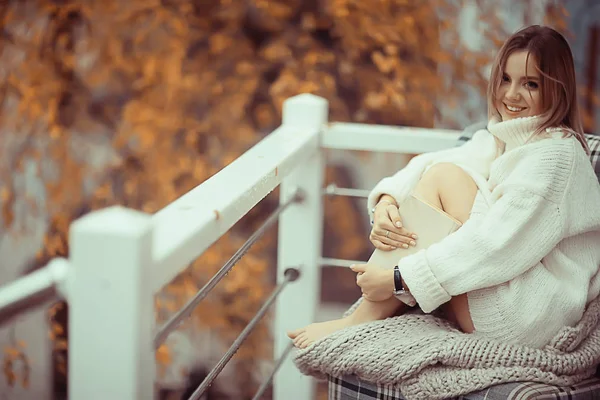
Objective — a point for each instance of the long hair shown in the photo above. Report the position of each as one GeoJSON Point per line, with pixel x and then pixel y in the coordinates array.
{"type": "Point", "coordinates": [558, 86]}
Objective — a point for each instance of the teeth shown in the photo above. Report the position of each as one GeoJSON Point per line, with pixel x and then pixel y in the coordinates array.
{"type": "Point", "coordinates": [515, 109]}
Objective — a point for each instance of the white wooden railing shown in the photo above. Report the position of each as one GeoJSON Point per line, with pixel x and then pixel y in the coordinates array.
{"type": "Point", "coordinates": [120, 258]}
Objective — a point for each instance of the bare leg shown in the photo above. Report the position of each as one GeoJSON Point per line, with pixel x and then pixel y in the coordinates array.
{"type": "Point", "coordinates": [447, 187]}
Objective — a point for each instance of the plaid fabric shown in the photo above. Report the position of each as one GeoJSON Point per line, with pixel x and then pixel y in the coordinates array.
{"type": "Point", "coordinates": [351, 388]}
{"type": "Point", "coordinates": [594, 143]}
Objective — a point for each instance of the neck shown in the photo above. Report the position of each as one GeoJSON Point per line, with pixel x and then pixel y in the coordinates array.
{"type": "Point", "coordinates": [515, 132]}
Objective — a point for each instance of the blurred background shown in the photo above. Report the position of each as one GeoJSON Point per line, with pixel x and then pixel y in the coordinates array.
{"type": "Point", "coordinates": [136, 102]}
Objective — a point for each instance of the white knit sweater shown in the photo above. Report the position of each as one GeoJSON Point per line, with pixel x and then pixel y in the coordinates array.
{"type": "Point", "coordinates": [529, 255]}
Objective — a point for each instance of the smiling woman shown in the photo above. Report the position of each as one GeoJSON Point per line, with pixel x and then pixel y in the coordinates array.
{"type": "Point", "coordinates": [534, 75]}
{"type": "Point", "coordinates": [508, 273]}
{"type": "Point", "coordinates": [520, 275]}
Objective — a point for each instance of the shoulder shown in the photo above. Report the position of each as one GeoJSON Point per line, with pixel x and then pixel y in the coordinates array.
{"type": "Point", "coordinates": [548, 153]}
{"type": "Point", "coordinates": [562, 155]}
{"type": "Point", "coordinates": [546, 166]}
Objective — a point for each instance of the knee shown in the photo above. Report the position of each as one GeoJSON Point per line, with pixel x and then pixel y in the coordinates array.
{"type": "Point", "coordinates": [448, 176]}
{"type": "Point", "coordinates": [445, 172]}
{"type": "Point", "coordinates": [452, 188]}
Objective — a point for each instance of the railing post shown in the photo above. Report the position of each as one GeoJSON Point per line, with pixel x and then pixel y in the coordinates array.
{"type": "Point", "coordinates": [111, 316]}
{"type": "Point", "coordinates": [299, 243]}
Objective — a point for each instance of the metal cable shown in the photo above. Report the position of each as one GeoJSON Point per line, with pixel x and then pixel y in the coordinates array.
{"type": "Point", "coordinates": [265, 385]}
{"type": "Point", "coordinates": [333, 190]}
{"type": "Point", "coordinates": [189, 307]}
{"type": "Point", "coordinates": [291, 274]}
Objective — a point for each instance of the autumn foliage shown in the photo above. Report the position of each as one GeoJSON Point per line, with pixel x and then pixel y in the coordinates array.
{"type": "Point", "coordinates": [136, 102]}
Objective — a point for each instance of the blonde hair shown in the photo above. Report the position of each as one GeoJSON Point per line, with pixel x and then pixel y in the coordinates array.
{"type": "Point", "coordinates": [558, 86]}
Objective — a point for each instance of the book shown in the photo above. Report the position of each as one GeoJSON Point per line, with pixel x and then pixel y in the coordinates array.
{"type": "Point", "coordinates": [429, 223]}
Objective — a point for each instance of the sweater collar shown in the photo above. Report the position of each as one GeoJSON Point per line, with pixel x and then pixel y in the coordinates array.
{"type": "Point", "coordinates": [515, 132]}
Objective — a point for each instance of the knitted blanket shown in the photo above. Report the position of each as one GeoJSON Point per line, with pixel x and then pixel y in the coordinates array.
{"type": "Point", "coordinates": [427, 358]}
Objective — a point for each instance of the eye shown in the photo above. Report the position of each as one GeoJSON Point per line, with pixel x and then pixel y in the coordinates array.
{"type": "Point", "coordinates": [531, 85]}
{"type": "Point", "coordinates": [505, 78]}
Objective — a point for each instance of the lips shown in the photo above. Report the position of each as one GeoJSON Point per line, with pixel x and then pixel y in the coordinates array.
{"type": "Point", "coordinates": [514, 109]}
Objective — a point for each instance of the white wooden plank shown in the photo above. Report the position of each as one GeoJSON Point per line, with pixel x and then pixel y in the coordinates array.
{"type": "Point", "coordinates": [111, 308]}
{"type": "Point", "coordinates": [405, 140]}
{"type": "Point", "coordinates": [188, 226]}
{"type": "Point", "coordinates": [299, 244]}
{"type": "Point", "coordinates": [33, 289]}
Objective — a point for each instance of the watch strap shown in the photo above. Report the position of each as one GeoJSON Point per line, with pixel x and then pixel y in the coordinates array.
{"type": "Point", "coordinates": [400, 292]}
{"type": "Point", "coordinates": [398, 286]}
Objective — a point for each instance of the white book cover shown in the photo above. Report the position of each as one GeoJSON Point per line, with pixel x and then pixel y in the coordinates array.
{"type": "Point", "coordinates": [429, 223]}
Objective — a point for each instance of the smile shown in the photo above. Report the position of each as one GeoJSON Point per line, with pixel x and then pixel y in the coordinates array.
{"type": "Point", "coordinates": [513, 108]}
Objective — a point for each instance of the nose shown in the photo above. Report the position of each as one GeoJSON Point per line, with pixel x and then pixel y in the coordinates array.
{"type": "Point", "coordinates": [513, 93]}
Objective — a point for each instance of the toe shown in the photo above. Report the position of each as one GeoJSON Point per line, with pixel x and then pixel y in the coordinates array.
{"type": "Point", "coordinates": [298, 339]}
{"type": "Point", "coordinates": [294, 334]}
{"type": "Point", "coordinates": [303, 341]}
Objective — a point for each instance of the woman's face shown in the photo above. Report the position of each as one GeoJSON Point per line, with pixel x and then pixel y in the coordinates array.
{"type": "Point", "coordinates": [519, 93]}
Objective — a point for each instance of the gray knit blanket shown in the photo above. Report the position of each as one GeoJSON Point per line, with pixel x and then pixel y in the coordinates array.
{"type": "Point", "coordinates": [428, 358]}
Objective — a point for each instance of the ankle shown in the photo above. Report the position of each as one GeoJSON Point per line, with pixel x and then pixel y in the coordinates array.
{"type": "Point", "coordinates": [358, 318]}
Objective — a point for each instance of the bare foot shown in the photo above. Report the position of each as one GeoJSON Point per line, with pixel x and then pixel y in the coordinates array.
{"type": "Point", "coordinates": [306, 336]}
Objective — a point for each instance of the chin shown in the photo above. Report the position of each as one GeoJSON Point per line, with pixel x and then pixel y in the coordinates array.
{"type": "Point", "coordinates": [506, 117]}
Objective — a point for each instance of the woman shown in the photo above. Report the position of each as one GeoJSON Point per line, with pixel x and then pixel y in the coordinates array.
{"type": "Point", "coordinates": [525, 262]}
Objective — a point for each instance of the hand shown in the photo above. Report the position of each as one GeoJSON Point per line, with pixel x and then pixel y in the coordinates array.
{"type": "Point", "coordinates": [387, 233]}
{"type": "Point", "coordinates": [376, 283]}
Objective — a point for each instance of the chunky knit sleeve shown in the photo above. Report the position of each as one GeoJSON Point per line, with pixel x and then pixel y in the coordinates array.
{"type": "Point", "coordinates": [517, 232]}
{"type": "Point", "coordinates": [475, 157]}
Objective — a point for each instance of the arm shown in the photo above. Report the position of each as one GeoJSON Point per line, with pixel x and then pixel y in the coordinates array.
{"type": "Point", "coordinates": [477, 154]}
{"type": "Point", "coordinates": [519, 230]}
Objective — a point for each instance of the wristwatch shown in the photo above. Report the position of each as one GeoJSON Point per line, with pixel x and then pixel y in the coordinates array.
{"type": "Point", "coordinates": [400, 292]}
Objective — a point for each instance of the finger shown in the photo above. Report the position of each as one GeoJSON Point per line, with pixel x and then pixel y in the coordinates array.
{"type": "Point", "coordinates": [358, 267]}
{"type": "Point", "coordinates": [382, 228]}
{"type": "Point", "coordinates": [394, 216]}
{"type": "Point", "coordinates": [375, 238]}
{"type": "Point", "coordinates": [385, 228]}
{"type": "Point", "coordinates": [382, 246]}
{"type": "Point", "coordinates": [378, 244]}
{"type": "Point", "coordinates": [393, 239]}
{"type": "Point", "coordinates": [383, 224]}
{"type": "Point", "coordinates": [407, 233]}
